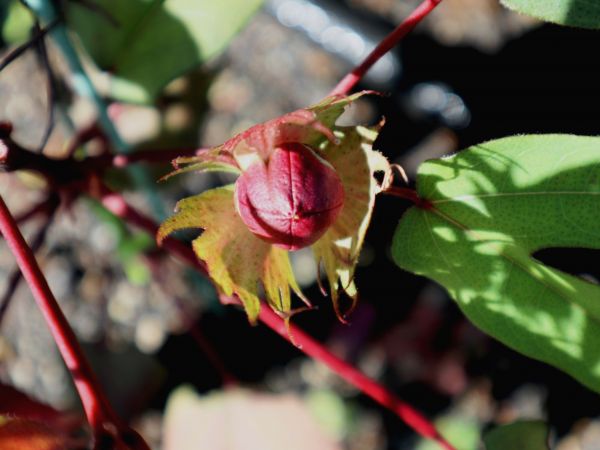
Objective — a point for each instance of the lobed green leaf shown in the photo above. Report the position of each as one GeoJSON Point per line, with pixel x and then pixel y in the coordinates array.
{"type": "Point", "coordinates": [492, 206]}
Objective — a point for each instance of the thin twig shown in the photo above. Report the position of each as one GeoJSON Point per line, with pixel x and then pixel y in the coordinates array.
{"type": "Point", "coordinates": [100, 415]}
{"type": "Point", "coordinates": [153, 156]}
{"type": "Point", "coordinates": [118, 206]}
{"type": "Point", "coordinates": [50, 88]}
{"type": "Point", "coordinates": [42, 207]}
{"type": "Point", "coordinates": [352, 375]}
{"type": "Point", "coordinates": [408, 194]}
{"type": "Point", "coordinates": [349, 81]}
{"type": "Point", "coordinates": [22, 48]}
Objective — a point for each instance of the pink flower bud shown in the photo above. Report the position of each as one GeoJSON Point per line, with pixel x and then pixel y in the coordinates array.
{"type": "Point", "coordinates": [291, 199]}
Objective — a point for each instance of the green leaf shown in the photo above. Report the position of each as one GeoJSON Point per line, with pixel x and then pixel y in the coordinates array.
{"type": "Point", "coordinates": [155, 41]}
{"type": "Point", "coordinates": [237, 260]}
{"type": "Point", "coordinates": [575, 13]}
{"type": "Point", "coordinates": [339, 249]}
{"type": "Point", "coordinates": [18, 23]}
{"type": "Point", "coordinates": [491, 207]}
{"type": "Point", "coordinates": [523, 435]}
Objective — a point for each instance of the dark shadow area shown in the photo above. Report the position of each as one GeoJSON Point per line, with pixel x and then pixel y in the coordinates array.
{"type": "Point", "coordinates": [576, 261]}
{"type": "Point", "coordinates": [584, 13]}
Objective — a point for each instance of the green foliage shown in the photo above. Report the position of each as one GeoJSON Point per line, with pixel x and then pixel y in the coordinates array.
{"type": "Point", "coordinates": [575, 13]}
{"type": "Point", "coordinates": [236, 259]}
{"type": "Point", "coordinates": [525, 435]}
{"type": "Point", "coordinates": [154, 41]}
{"type": "Point", "coordinates": [17, 24]}
{"type": "Point", "coordinates": [493, 206]}
{"type": "Point", "coordinates": [462, 432]}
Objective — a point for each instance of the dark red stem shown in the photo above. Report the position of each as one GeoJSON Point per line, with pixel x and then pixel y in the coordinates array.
{"type": "Point", "coordinates": [15, 276]}
{"type": "Point", "coordinates": [408, 194]}
{"type": "Point", "coordinates": [115, 203]}
{"type": "Point", "coordinates": [349, 81]}
{"type": "Point", "coordinates": [352, 375]}
{"type": "Point", "coordinates": [99, 413]}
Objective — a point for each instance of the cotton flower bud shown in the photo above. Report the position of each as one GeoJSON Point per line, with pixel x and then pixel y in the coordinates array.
{"type": "Point", "coordinates": [291, 199]}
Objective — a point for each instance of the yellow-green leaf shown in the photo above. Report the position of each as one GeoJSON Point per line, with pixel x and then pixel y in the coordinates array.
{"type": "Point", "coordinates": [237, 261]}
{"type": "Point", "coordinates": [355, 162]}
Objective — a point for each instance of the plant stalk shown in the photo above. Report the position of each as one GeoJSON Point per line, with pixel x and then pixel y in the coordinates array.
{"type": "Point", "coordinates": [351, 80]}
{"type": "Point", "coordinates": [98, 411]}
{"type": "Point", "coordinates": [118, 206]}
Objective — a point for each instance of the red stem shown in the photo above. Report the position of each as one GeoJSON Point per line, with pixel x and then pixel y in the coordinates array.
{"type": "Point", "coordinates": [352, 375]}
{"type": "Point", "coordinates": [408, 194]}
{"type": "Point", "coordinates": [115, 203]}
{"type": "Point", "coordinates": [99, 413]}
{"type": "Point", "coordinates": [15, 276]}
{"type": "Point", "coordinates": [349, 81]}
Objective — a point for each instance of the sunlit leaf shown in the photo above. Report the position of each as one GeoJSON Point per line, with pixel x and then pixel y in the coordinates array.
{"type": "Point", "coordinates": [144, 44]}
{"type": "Point", "coordinates": [575, 13]}
{"type": "Point", "coordinates": [339, 249]}
{"type": "Point", "coordinates": [525, 435]}
{"type": "Point", "coordinates": [237, 260]}
{"type": "Point", "coordinates": [492, 207]}
{"type": "Point", "coordinates": [240, 419]}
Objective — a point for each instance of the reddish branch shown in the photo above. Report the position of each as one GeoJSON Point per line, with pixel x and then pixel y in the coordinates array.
{"type": "Point", "coordinates": [61, 172]}
{"type": "Point", "coordinates": [408, 194]}
{"type": "Point", "coordinates": [101, 417]}
{"type": "Point", "coordinates": [352, 375]}
{"type": "Point", "coordinates": [118, 206]}
{"type": "Point", "coordinates": [349, 81]}
{"type": "Point", "coordinates": [36, 243]}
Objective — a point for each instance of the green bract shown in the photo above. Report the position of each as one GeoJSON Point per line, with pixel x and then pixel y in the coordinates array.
{"type": "Point", "coordinates": [492, 206]}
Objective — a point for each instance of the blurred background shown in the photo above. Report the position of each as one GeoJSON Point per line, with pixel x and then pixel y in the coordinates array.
{"type": "Point", "coordinates": [160, 341]}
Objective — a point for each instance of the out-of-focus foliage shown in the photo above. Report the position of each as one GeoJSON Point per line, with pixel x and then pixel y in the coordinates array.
{"type": "Point", "coordinates": [463, 433]}
{"type": "Point", "coordinates": [525, 435]}
{"type": "Point", "coordinates": [241, 419]}
{"type": "Point", "coordinates": [17, 22]}
{"type": "Point", "coordinates": [144, 44]}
